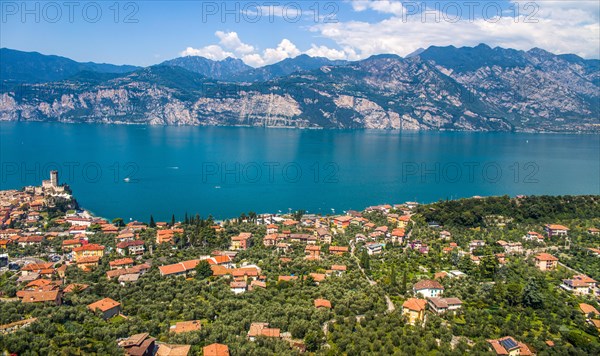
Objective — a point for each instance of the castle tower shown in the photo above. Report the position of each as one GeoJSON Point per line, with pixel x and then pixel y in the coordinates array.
{"type": "Point", "coordinates": [54, 178]}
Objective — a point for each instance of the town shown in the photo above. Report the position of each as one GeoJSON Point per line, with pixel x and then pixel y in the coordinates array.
{"type": "Point", "coordinates": [497, 275]}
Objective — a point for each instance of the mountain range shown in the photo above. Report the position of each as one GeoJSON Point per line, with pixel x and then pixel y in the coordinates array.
{"type": "Point", "coordinates": [439, 88]}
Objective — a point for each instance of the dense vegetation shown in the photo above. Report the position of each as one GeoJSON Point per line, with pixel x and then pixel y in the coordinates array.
{"type": "Point", "coordinates": [513, 298]}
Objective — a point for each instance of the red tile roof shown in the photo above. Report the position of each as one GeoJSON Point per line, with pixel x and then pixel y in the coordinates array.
{"type": "Point", "coordinates": [39, 297]}
{"type": "Point", "coordinates": [89, 247]}
{"type": "Point", "coordinates": [545, 257]}
{"type": "Point", "coordinates": [427, 284]}
{"type": "Point", "coordinates": [216, 350]}
{"type": "Point", "coordinates": [121, 262]}
{"type": "Point", "coordinates": [186, 326]}
{"type": "Point", "coordinates": [322, 303]}
{"type": "Point", "coordinates": [415, 304]}
{"type": "Point", "coordinates": [104, 305]}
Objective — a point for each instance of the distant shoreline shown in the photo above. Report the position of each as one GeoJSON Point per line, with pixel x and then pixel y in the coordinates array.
{"type": "Point", "coordinates": [140, 124]}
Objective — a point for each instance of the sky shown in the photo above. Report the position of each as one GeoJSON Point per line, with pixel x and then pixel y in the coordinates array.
{"type": "Point", "coordinates": [265, 32]}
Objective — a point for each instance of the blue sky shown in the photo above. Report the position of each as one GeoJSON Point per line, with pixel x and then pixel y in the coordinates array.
{"type": "Point", "coordinates": [264, 32]}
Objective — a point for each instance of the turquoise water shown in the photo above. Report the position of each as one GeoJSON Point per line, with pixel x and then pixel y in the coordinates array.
{"type": "Point", "coordinates": [225, 171]}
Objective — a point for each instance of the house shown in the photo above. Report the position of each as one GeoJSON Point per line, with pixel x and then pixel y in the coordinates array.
{"type": "Point", "coordinates": [445, 235]}
{"type": "Point", "coordinates": [256, 283]}
{"type": "Point", "coordinates": [270, 240]}
{"type": "Point", "coordinates": [556, 230]}
{"type": "Point", "coordinates": [246, 273]}
{"type": "Point", "coordinates": [121, 263]}
{"type": "Point", "coordinates": [87, 263]}
{"type": "Point", "coordinates": [75, 287]}
{"type": "Point", "coordinates": [303, 238]}
{"type": "Point", "coordinates": [444, 305]}
{"type": "Point", "coordinates": [594, 251]}
{"type": "Point", "coordinates": [323, 235]}
{"type": "Point", "coordinates": [342, 222]}
{"type": "Point", "coordinates": [595, 323]}
{"type": "Point", "coordinates": [222, 260]}
{"type": "Point", "coordinates": [36, 268]}
{"type": "Point", "coordinates": [511, 247]}
{"type": "Point", "coordinates": [313, 252]}
{"type": "Point", "coordinates": [240, 242]}
{"type": "Point", "coordinates": [398, 235]}
{"type": "Point", "coordinates": [135, 247]}
{"type": "Point", "coordinates": [215, 350]}
{"type": "Point", "coordinates": [50, 296]}
{"type": "Point", "coordinates": [128, 273]}
{"type": "Point", "coordinates": [374, 248]}
{"type": "Point", "coordinates": [173, 350]}
{"type": "Point", "coordinates": [318, 277]}
{"type": "Point", "coordinates": [128, 278]}
{"type": "Point", "coordinates": [322, 303]}
{"type": "Point", "coordinates": [69, 245]}
{"type": "Point", "coordinates": [107, 307]}
{"type": "Point", "coordinates": [272, 229]}
{"type": "Point", "coordinates": [403, 221]}
{"type": "Point", "coordinates": [587, 309]}
{"type": "Point", "coordinates": [338, 269]}
{"type": "Point", "coordinates": [262, 329]}
{"type": "Point", "coordinates": [4, 243]}
{"type": "Point", "coordinates": [534, 236]}
{"type": "Point", "coordinates": [186, 326]}
{"type": "Point", "coordinates": [34, 240]}
{"type": "Point", "coordinates": [125, 235]}
{"type": "Point", "coordinates": [575, 286]}
{"type": "Point", "coordinates": [338, 250]}
{"type": "Point", "coordinates": [76, 230]}
{"type": "Point", "coordinates": [476, 244]}
{"type": "Point", "coordinates": [167, 235]}
{"type": "Point", "coordinates": [593, 231]}
{"type": "Point", "coordinates": [414, 310]}
{"type": "Point", "coordinates": [546, 262]}
{"type": "Point", "coordinates": [509, 346]}
{"type": "Point", "coordinates": [286, 278]}
{"type": "Point", "coordinates": [88, 251]}
{"type": "Point", "coordinates": [428, 288]}
{"type": "Point", "coordinates": [579, 285]}
{"type": "Point", "coordinates": [238, 287]}
{"type": "Point", "coordinates": [109, 229]}
{"type": "Point", "coordinates": [178, 269]}
{"type": "Point", "coordinates": [139, 345]}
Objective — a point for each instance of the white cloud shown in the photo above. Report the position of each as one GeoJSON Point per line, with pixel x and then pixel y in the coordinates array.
{"type": "Point", "coordinates": [323, 51]}
{"type": "Point", "coordinates": [383, 6]}
{"type": "Point", "coordinates": [557, 26]}
{"type": "Point", "coordinates": [231, 41]}
{"type": "Point", "coordinates": [214, 52]}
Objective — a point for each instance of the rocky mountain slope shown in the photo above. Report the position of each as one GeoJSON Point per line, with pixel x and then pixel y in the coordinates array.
{"type": "Point", "coordinates": [441, 88]}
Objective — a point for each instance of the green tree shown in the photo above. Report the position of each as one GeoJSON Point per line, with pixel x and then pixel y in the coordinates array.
{"type": "Point", "coordinates": [514, 293]}
{"type": "Point", "coordinates": [203, 270]}
{"type": "Point", "coordinates": [393, 278]}
{"type": "Point", "coordinates": [118, 222]}
{"type": "Point", "coordinates": [152, 223]}
{"type": "Point", "coordinates": [404, 281]}
{"type": "Point", "coordinates": [532, 297]}
{"type": "Point", "coordinates": [312, 340]}
{"type": "Point", "coordinates": [364, 260]}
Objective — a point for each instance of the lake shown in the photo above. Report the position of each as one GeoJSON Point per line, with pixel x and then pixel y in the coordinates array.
{"type": "Point", "coordinates": [134, 171]}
